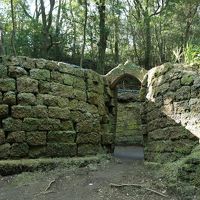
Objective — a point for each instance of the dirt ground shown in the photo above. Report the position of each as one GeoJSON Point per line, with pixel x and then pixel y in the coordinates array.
{"type": "Point", "coordinates": [88, 183]}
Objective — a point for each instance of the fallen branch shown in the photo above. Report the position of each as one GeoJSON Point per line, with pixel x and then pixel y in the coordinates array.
{"type": "Point", "coordinates": [139, 186]}
{"type": "Point", "coordinates": [49, 185]}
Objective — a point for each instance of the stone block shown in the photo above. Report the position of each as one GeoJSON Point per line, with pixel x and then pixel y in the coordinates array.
{"type": "Point", "coordinates": [36, 138]}
{"type": "Point", "coordinates": [61, 149]}
{"type": "Point", "coordinates": [58, 89]}
{"type": "Point", "coordinates": [88, 126]}
{"type": "Point", "coordinates": [89, 138]}
{"type": "Point", "coordinates": [40, 74]}
{"type": "Point", "coordinates": [44, 87]}
{"type": "Point", "coordinates": [15, 71]}
{"type": "Point", "coordinates": [49, 124]}
{"type": "Point", "coordinates": [108, 138]}
{"type": "Point", "coordinates": [61, 136]}
{"type": "Point", "coordinates": [68, 79]}
{"type": "Point", "coordinates": [181, 107]}
{"type": "Point", "coordinates": [37, 151]}
{"type": "Point", "coordinates": [95, 98]}
{"type": "Point", "coordinates": [59, 113]}
{"type": "Point", "coordinates": [31, 124]}
{"type": "Point", "coordinates": [52, 65]}
{"type": "Point", "coordinates": [66, 125]}
{"type": "Point", "coordinates": [4, 151]}
{"type": "Point", "coordinates": [20, 112]}
{"type": "Point", "coordinates": [2, 137]}
{"type": "Point", "coordinates": [183, 93]}
{"type": "Point", "coordinates": [3, 71]}
{"type": "Point", "coordinates": [27, 85]}
{"type": "Point", "coordinates": [175, 84]}
{"type": "Point", "coordinates": [79, 95]}
{"type": "Point", "coordinates": [89, 149]}
{"type": "Point", "coordinates": [9, 98]}
{"type": "Point", "coordinates": [11, 124]}
{"type": "Point", "coordinates": [16, 137]}
{"type": "Point", "coordinates": [19, 150]}
{"type": "Point", "coordinates": [71, 69]}
{"type": "Point", "coordinates": [7, 84]}
{"type": "Point", "coordinates": [3, 111]}
{"type": "Point", "coordinates": [26, 99]}
{"type": "Point", "coordinates": [79, 83]}
{"type": "Point", "coordinates": [39, 111]}
{"type": "Point", "coordinates": [187, 79]}
{"type": "Point", "coordinates": [95, 83]}
{"type": "Point", "coordinates": [1, 97]}
{"type": "Point", "coordinates": [57, 77]}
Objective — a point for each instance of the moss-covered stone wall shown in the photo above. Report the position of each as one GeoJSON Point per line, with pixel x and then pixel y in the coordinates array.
{"type": "Point", "coordinates": [53, 109]}
{"type": "Point", "coordinates": [128, 129]}
{"type": "Point", "coordinates": [171, 112]}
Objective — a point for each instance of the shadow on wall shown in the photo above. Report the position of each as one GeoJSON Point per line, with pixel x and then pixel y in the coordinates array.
{"type": "Point", "coordinates": [171, 112]}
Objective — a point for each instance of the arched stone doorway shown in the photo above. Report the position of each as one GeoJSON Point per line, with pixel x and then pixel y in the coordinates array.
{"type": "Point", "coordinates": [126, 81]}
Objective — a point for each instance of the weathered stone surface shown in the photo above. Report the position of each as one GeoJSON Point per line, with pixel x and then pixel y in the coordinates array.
{"type": "Point", "coordinates": [40, 74]}
{"type": "Point", "coordinates": [175, 84]}
{"type": "Point", "coordinates": [88, 126]}
{"type": "Point", "coordinates": [1, 97]}
{"type": "Point", "coordinates": [51, 100]}
{"type": "Point", "coordinates": [4, 151]}
{"type": "Point", "coordinates": [3, 111]}
{"type": "Point", "coordinates": [187, 79]}
{"type": "Point", "coordinates": [89, 149]}
{"type": "Point", "coordinates": [3, 71]}
{"type": "Point", "coordinates": [19, 150]}
{"type": "Point", "coordinates": [44, 87]}
{"type": "Point", "coordinates": [66, 125]}
{"type": "Point", "coordinates": [20, 112]}
{"type": "Point", "coordinates": [61, 136]}
{"type": "Point", "coordinates": [16, 137]}
{"type": "Point", "coordinates": [49, 124]}
{"type": "Point", "coordinates": [26, 84]}
{"type": "Point", "coordinates": [68, 79]}
{"type": "Point", "coordinates": [37, 151]}
{"type": "Point", "coordinates": [14, 71]}
{"type": "Point", "coordinates": [10, 124]}
{"type": "Point", "coordinates": [89, 138]}
{"type": "Point", "coordinates": [61, 149]}
{"type": "Point", "coordinates": [39, 111]}
{"type": "Point", "coordinates": [26, 99]}
{"type": "Point", "coordinates": [7, 84]}
{"type": "Point", "coordinates": [31, 124]}
{"type": "Point", "coordinates": [71, 69]}
{"type": "Point", "coordinates": [36, 138]}
{"type": "Point", "coordinates": [183, 93]}
{"type": "Point", "coordinates": [9, 98]}
{"type": "Point", "coordinates": [2, 137]}
{"type": "Point", "coordinates": [59, 113]}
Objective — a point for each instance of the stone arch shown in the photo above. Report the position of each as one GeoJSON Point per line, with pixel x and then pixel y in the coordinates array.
{"type": "Point", "coordinates": [123, 70]}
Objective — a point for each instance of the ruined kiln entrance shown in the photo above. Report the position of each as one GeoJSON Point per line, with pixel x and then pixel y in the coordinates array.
{"type": "Point", "coordinates": [129, 137]}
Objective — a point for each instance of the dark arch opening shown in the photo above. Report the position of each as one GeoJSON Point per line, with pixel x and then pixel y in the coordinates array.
{"type": "Point", "coordinates": [129, 137]}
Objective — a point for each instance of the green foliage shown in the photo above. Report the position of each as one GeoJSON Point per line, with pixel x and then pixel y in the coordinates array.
{"type": "Point", "coordinates": [192, 53]}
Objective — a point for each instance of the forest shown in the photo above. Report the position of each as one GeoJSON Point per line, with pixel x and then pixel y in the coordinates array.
{"type": "Point", "coordinates": [100, 34]}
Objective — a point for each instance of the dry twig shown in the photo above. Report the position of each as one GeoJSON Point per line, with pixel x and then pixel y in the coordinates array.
{"type": "Point", "coordinates": [139, 186]}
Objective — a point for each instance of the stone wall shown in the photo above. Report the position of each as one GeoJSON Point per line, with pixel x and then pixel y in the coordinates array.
{"type": "Point", "coordinates": [128, 129]}
{"type": "Point", "coordinates": [171, 112]}
{"type": "Point", "coordinates": [53, 109]}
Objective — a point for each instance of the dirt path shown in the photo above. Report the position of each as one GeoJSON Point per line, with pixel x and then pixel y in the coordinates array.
{"type": "Point", "coordinates": [88, 183]}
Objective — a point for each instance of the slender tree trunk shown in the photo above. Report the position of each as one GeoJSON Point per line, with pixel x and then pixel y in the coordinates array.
{"type": "Point", "coordinates": [103, 38]}
{"type": "Point", "coordinates": [84, 33]}
{"type": "Point", "coordinates": [74, 31]}
{"type": "Point", "coordinates": [13, 28]}
{"type": "Point", "coordinates": [147, 61]}
{"type": "Point", "coordinates": [117, 40]}
{"type": "Point", "coordinates": [1, 41]}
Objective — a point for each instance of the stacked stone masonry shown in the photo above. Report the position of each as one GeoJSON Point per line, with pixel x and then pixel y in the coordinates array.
{"type": "Point", "coordinates": [171, 113]}
{"type": "Point", "coordinates": [128, 128]}
{"type": "Point", "coordinates": [51, 109]}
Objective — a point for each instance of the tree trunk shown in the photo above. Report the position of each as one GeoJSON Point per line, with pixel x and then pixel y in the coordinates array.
{"type": "Point", "coordinates": [84, 33]}
{"type": "Point", "coordinates": [13, 28]}
{"type": "Point", "coordinates": [147, 61]}
{"type": "Point", "coordinates": [103, 38]}
{"type": "Point", "coordinates": [1, 41]}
